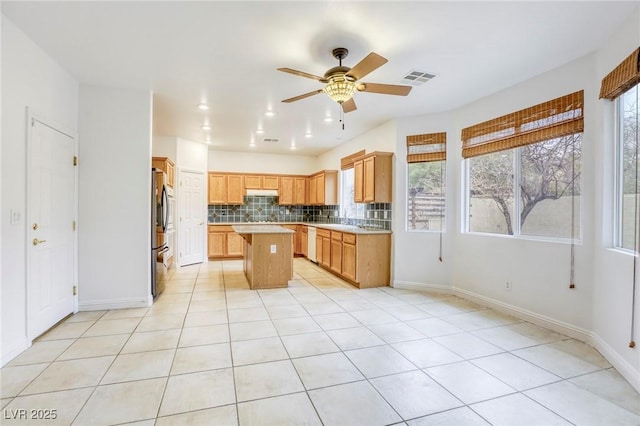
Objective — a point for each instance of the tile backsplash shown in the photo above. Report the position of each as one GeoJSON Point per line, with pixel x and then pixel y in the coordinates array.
{"type": "Point", "coordinates": [257, 208]}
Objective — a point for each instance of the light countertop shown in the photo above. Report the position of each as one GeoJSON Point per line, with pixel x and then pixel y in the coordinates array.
{"type": "Point", "coordinates": [351, 229]}
{"type": "Point", "coordinates": [261, 229]}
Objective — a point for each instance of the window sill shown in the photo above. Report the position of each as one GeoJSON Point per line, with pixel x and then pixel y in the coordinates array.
{"type": "Point", "coordinates": [526, 238]}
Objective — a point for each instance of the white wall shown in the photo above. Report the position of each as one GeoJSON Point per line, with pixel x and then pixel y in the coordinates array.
{"type": "Point", "coordinates": [613, 276]}
{"type": "Point", "coordinates": [538, 270]}
{"type": "Point", "coordinates": [165, 146]}
{"type": "Point", "coordinates": [416, 253]}
{"type": "Point", "coordinates": [192, 156]}
{"type": "Point", "coordinates": [114, 198]}
{"type": "Point", "coordinates": [31, 79]}
{"type": "Point", "coordinates": [381, 138]}
{"type": "Point", "coordinates": [224, 161]}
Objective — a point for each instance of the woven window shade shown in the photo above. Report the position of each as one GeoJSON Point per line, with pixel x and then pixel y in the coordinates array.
{"type": "Point", "coordinates": [622, 78]}
{"type": "Point", "coordinates": [347, 162]}
{"type": "Point", "coordinates": [427, 147]}
{"type": "Point", "coordinates": [552, 119]}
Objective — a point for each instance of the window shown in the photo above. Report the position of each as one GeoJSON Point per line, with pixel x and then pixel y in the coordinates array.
{"type": "Point", "coordinates": [523, 175]}
{"type": "Point", "coordinates": [628, 135]}
{"type": "Point", "coordinates": [425, 196]}
{"type": "Point", "coordinates": [426, 158]}
{"type": "Point", "coordinates": [349, 209]}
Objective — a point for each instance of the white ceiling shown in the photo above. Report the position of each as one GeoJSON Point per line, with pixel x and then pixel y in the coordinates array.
{"type": "Point", "coordinates": [226, 53]}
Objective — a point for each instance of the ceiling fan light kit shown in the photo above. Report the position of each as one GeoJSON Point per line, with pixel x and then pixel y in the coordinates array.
{"type": "Point", "coordinates": [341, 82]}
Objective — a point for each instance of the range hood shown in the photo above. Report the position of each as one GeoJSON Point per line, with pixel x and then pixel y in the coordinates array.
{"type": "Point", "coordinates": [263, 192]}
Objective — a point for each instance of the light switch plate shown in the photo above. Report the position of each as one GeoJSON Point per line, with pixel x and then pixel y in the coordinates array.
{"type": "Point", "coordinates": [273, 248]}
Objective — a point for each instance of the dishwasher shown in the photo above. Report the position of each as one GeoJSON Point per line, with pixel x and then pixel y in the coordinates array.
{"type": "Point", "coordinates": [311, 244]}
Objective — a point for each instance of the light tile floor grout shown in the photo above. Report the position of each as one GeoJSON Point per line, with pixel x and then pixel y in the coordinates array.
{"type": "Point", "coordinates": [324, 299]}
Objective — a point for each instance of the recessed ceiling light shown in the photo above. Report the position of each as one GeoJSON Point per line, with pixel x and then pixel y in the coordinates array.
{"type": "Point", "coordinates": [328, 119]}
{"type": "Point", "coordinates": [259, 131]}
{"type": "Point", "coordinates": [203, 106]}
{"type": "Point", "coordinates": [205, 127]}
{"type": "Point", "coordinates": [269, 113]}
{"type": "Point", "coordinates": [308, 135]}
{"type": "Point", "coordinates": [293, 147]}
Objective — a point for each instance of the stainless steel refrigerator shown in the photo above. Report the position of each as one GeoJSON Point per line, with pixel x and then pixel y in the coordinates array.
{"type": "Point", "coordinates": [158, 227]}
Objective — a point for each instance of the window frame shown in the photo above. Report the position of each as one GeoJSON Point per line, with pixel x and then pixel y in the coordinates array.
{"type": "Point", "coordinates": [443, 230]}
{"type": "Point", "coordinates": [517, 205]}
{"type": "Point", "coordinates": [618, 208]}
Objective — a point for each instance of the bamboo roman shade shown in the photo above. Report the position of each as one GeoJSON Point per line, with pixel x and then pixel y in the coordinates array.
{"type": "Point", "coordinates": [622, 78]}
{"type": "Point", "coordinates": [552, 119]}
{"type": "Point", "coordinates": [426, 147]}
{"type": "Point", "coordinates": [347, 162]}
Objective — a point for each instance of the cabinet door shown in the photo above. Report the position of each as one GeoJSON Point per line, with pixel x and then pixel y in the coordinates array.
{"type": "Point", "coordinates": [235, 245]}
{"type": "Point", "coordinates": [319, 254]}
{"type": "Point", "coordinates": [217, 189]}
{"type": "Point", "coordinates": [358, 175]}
{"type": "Point", "coordinates": [300, 191]}
{"type": "Point", "coordinates": [305, 244]}
{"type": "Point", "coordinates": [286, 191]}
{"type": "Point", "coordinates": [171, 172]}
{"type": "Point", "coordinates": [313, 190]}
{"type": "Point", "coordinates": [369, 179]}
{"type": "Point", "coordinates": [349, 261]}
{"type": "Point", "coordinates": [326, 252]}
{"type": "Point", "coordinates": [336, 256]}
{"type": "Point", "coordinates": [320, 199]}
{"type": "Point", "coordinates": [217, 244]}
{"type": "Point", "coordinates": [235, 189]}
{"type": "Point", "coordinates": [253, 182]}
{"type": "Point", "coordinates": [270, 182]}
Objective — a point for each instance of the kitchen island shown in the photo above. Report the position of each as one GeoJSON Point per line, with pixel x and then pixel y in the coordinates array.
{"type": "Point", "coordinates": [268, 255]}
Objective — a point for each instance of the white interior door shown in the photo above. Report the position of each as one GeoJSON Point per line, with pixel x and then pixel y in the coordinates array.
{"type": "Point", "coordinates": [192, 218]}
{"type": "Point", "coordinates": [51, 214]}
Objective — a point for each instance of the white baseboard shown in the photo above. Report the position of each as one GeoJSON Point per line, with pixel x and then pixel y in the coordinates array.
{"type": "Point", "coordinates": [101, 305]}
{"type": "Point", "coordinates": [625, 369]}
{"type": "Point", "coordinates": [409, 285]}
{"type": "Point", "coordinates": [527, 315]}
{"type": "Point", "coordinates": [15, 350]}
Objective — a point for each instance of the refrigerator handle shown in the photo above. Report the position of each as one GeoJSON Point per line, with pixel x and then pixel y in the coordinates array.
{"type": "Point", "coordinates": [164, 203]}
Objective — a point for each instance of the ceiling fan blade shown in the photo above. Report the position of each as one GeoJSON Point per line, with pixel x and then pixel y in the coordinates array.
{"type": "Point", "coordinates": [348, 106]}
{"type": "Point", "coordinates": [300, 73]}
{"type": "Point", "coordinates": [385, 89]}
{"type": "Point", "coordinates": [370, 63]}
{"type": "Point", "coordinates": [306, 95]}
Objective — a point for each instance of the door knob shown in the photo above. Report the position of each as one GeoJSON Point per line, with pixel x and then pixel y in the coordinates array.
{"type": "Point", "coordinates": [37, 241]}
{"type": "Point", "coordinates": [201, 223]}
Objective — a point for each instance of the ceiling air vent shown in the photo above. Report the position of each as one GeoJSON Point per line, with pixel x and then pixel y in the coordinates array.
{"type": "Point", "coordinates": [417, 78]}
{"type": "Point", "coordinates": [270, 140]}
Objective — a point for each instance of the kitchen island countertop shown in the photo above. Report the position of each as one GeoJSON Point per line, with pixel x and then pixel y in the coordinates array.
{"type": "Point", "coordinates": [260, 229]}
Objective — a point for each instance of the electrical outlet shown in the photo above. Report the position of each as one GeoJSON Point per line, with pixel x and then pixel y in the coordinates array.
{"type": "Point", "coordinates": [273, 248]}
{"type": "Point", "coordinates": [14, 217]}
{"type": "Point", "coordinates": [508, 285]}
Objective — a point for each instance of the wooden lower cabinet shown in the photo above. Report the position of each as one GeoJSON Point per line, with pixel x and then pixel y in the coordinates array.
{"type": "Point", "coordinates": [362, 259]}
{"type": "Point", "coordinates": [224, 243]}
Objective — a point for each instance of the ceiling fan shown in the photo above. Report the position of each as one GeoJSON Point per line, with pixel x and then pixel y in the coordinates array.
{"type": "Point", "coordinates": [343, 82]}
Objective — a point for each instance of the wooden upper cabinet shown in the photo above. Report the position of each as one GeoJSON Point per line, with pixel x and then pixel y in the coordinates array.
{"type": "Point", "coordinates": [286, 191]}
{"type": "Point", "coordinates": [300, 191]}
{"type": "Point", "coordinates": [270, 182]}
{"type": "Point", "coordinates": [225, 189]}
{"type": "Point", "coordinates": [235, 189]}
{"type": "Point", "coordinates": [167, 166]}
{"type": "Point", "coordinates": [373, 178]}
{"type": "Point", "coordinates": [323, 188]}
{"type": "Point", "coordinates": [253, 182]}
{"type": "Point", "coordinates": [358, 187]}
{"type": "Point", "coordinates": [261, 181]}
{"type": "Point", "coordinates": [217, 188]}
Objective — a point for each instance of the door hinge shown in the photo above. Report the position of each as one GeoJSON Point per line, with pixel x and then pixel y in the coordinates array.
{"type": "Point", "coordinates": [75, 290]}
{"type": "Point", "coordinates": [75, 160]}
{"type": "Point", "coordinates": [73, 225]}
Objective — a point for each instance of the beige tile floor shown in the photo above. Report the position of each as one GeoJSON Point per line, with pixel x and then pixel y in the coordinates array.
{"type": "Point", "coordinates": [212, 352]}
